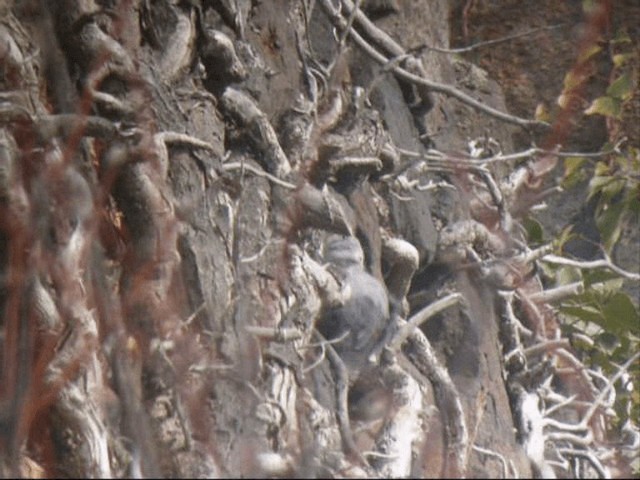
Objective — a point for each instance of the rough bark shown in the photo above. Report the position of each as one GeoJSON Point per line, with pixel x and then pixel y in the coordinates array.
{"type": "Point", "coordinates": [169, 172]}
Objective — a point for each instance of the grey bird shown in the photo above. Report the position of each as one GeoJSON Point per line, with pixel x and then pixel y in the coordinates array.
{"type": "Point", "coordinates": [364, 315]}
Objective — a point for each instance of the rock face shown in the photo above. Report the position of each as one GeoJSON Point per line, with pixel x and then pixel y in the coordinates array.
{"type": "Point", "coordinates": [216, 147]}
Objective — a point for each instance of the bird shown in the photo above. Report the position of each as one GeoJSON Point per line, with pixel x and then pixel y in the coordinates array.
{"type": "Point", "coordinates": [363, 316]}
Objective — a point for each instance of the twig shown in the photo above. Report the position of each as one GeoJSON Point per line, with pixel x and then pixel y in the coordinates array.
{"type": "Point", "coordinates": [342, 400]}
{"type": "Point", "coordinates": [570, 437]}
{"type": "Point", "coordinates": [370, 453]}
{"type": "Point", "coordinates": [598, 400]}
{"type": "Point", "coordinates": [327, 342]}
{"type": "Point", "coordinates": [432, 155]}
{"type": "Point", "coordinates": [364, 164]}
{"type": "Point", "coordinates": [194, 315]}
{"type": "Point", "coordinates": [487, 42]}
{"type": "Point", "coordinates": [602, 263]}
{"type": "Point", "coordinates": [421, 354]}
{"type": "Point", "coordinates": [318, 361]}
{"type": "Point", "coordinates": [446, 89]}
{"type": "Point", "coordinates": [589, 456]}
{"type": "Point", "coordinates": [396, 50]}
{"type": "Point", "coordinates": [343, 36]}
{"type": "Point", "coordinates": [558, 406]}
{"type": "Point", "coordinates": [559, 293]}
{"type": "Point", "coordinates": [491, 453]}
{"type": "Point", "coordinates": [274, 333]}
{"type": "Point", "coordinates": [402, 429]}
{"type": "Point", "coordinates": [178, 138]}
{"type": "Point", "coordinates": [576, 364]}
{"type": "Point", "coordinates": [422, 316]}
{"type": "Point", "coordinates": [533, 255]}
{"type": "Point", "coordinates": [258, 172]}
{"type": "Point", "coordinates": [565, 427]}
{"type": "Point", "coordinates": [546, 346]}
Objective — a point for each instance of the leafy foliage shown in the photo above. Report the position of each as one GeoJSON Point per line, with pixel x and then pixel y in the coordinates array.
{"type": "Point", "coordinates": [604, 312]}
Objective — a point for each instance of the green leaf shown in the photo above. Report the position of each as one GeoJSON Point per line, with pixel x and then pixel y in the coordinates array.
{"type": "Point", "coordinates": [609, 223]}
{"type": "Point", "coordinates": [621, 88]}
{"type": "Point", "coordinates": [568, 274]}
{"type": "Point", "coordinates": [621, 37]}
{"type": "Point", "coordinates": [621, 315]}
{"type": "Point", "coordinates": [621, 162]}
{"type": "Point", "coordinates": [607, 341]}
{"type": "Point", "coordinates": [597, 183]}
{"type": "Point", "coordinates": [589, 52]}
{"type": "Point", "coordinates": [632, 200]}
{"type": "Point", "coordinates": [585, 313]}
{"type": "Point", "coordinates": [548, 270]}
{"type": "Point", "coordinates": [624, 349]}
{"type": "Point", "coordinates": [571, 164]}
{"type": "Point", "coordinates": [573, 171]}
{"type": "Point", "coordinates": [589, 6]}
{"type": "Point", "coordinates": [621, 58]}
{"type": "Point", "coordinates": [535, 232]}
{"type": "Point", "coordinates": [564, 237]}
{"type": "Point", "coordinates": [611, 189]}
{"type": "Point", "coordinates": [602, 168]}
{"type": "Point", "coordinates": [598, 275]}
{"type": "Point", "coordinates": [607, 106]}
{"type": "Point", "coordinates": [601, 292]}
{"type": "Point", "coordinates": [572, 79]}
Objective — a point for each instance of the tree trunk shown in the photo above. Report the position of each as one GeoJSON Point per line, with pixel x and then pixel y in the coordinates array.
{"type": "Point", "coordinates": [170, 172]}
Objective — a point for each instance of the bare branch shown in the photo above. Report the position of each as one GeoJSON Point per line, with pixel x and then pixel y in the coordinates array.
{"type": "Point", "coordinates": [422, 316]}
{"type": "Point", "coordinates": [603, 263]}
{"type": "Point", "coordinates": [419, 351]}
{"type": "Point", "coordinates": [258, 172]}
{"type": "Point", "coordinates": [597, 403]}
{"type": "Point", "coordinates": [277, 334]}
{"type": "Point", "coordinates": [546, 346]}
{"type": "Point", "coordinates": [342, 400]}
{"type": "Point", "coordinates": [491, 453]}
{"type": "Point", "coordinates": [487, 43]}
{"type": "Point", "coordinates": [558, 294]}
{"type": "Point", "coordinates": [589, 456]}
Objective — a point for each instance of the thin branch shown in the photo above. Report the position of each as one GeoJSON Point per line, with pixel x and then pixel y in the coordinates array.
{"type": "Point", "coordinates": [491, 453]}
{"type": "Point", "coordinates": [422, 355]}
{"type": "Point", "coordinates": [274, 333]}
{"type": "Point", "coordinates": [342, 399]}
{"type": "Point", "coordinates": [370, 453]}
{"type": "Point", "coordinates": [599, 399]}
{"type": "Point", "coordinates": [565, 427]}
{"type": "Point", "coordinates": [570, 437]}
{"type": "Point", "coordinates": [395, 49]}
{"type": "Point", "coordinates": [602, 263]}
{"type": "Point", "coordinates": [487, 42]}
{"type": "Point", "coordinates": [258, 172]}
{"type": "Point", "coordinates": [589, 456]}
{"type": "Point", "coordinates": [343, 36]}
{"type": "Point", "coordinates": [318, 361]}
{"type": "Point", "coordinates": [546, 346]}
{"type": "Point", "coordinates": [324, 342]}
{"type": "Point", "coordinates": [364, 164]}
{"type": "Point", "coordinates": [422, 316]}
{"type": "Point", "coordinates": [559, 293]}
{"type": "Point", "coordinates": [538, 253]}
{"type": "Point", "coordinates": [435, 155]}
{"type": "Point", "coordinates": [565, 402]}
{"type": "Point", "coordinates": [445, 89]}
